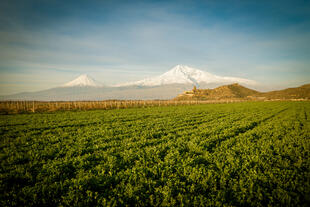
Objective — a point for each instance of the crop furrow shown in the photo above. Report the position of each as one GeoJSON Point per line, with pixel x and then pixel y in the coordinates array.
{"type": "Point", "coordinates": [215, 143]}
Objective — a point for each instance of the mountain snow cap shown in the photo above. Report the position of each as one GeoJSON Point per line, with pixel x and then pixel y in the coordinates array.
{"type": "Point", "coordinates": [83, 80]}
{"type": "Point", "coordinates": [183, 74]}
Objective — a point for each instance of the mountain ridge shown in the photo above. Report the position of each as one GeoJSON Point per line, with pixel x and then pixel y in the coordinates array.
{"type": "Point", "coordinates": [166, 86]}
{"type": "Point", "coordinates": [183, 74]}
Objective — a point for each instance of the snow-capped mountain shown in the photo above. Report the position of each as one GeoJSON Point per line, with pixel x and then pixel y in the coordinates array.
{"type": "Point", "coordinates": [83, 80]}
{"type": "Point", "coordinates": [182, 74]}
{"type": "Point", "coordinates": [166, 86]}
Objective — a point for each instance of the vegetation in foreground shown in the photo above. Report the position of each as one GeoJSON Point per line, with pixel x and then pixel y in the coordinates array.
{"type": "Point", "coordinates": [239, 154]}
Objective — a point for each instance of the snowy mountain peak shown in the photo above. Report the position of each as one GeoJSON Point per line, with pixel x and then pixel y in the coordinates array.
{"type": "Point", "coordinates": [187, 72]}
{"type": "Point", "coordinates": [83, 80]}
{"type": "Point", "coordinates": [183, 74]}
{"type": "Point", "coordinates": [183, 68]}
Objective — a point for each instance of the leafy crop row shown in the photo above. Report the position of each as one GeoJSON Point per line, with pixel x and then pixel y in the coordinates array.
{"type": "Point", "coordinates": [239, 154]}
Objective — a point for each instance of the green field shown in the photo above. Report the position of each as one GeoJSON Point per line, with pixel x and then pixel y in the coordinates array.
{"type": "Point", "coordinates": [238, 154]}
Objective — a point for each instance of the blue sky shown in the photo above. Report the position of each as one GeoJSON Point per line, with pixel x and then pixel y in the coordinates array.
{"type": "Point", "coordinates": [46, 43]}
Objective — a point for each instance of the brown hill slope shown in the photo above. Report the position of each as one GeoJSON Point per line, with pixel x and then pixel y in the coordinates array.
{"type": "Point", "coordinates": [302, 92]}
{"type": "Point", "coordinates": [238, 92]}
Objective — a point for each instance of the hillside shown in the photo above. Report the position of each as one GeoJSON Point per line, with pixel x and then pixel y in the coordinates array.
{"type": "Point", "coordinates": [302, 92]}
{"type": "Point", "coordinates": [238, 92]}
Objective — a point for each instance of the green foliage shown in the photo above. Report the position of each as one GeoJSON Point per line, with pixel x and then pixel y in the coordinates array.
{"type": "Point", "coordinates": [239, 154]}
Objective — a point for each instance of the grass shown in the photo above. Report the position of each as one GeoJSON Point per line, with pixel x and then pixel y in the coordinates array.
{"type": "Point", "coordinates": [238, 154]}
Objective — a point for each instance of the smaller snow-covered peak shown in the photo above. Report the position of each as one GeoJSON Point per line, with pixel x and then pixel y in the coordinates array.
{"type": "Point", "coordinates": [83, 80]}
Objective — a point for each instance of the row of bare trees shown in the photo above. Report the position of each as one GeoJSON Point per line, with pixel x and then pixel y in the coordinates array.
{"type": "Point", "coordinates": [41, 106]}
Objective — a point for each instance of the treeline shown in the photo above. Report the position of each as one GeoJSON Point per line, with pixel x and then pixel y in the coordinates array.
{"type": "Point", "coordinates": [9, 107]}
